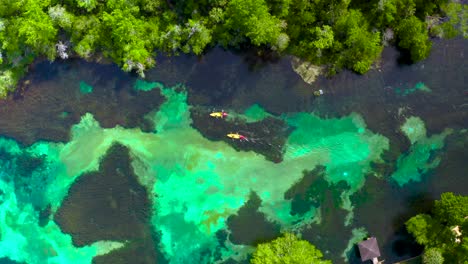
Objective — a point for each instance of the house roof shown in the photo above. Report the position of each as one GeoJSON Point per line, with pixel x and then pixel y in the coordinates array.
{"type": "Point", "coordinates": [369, 249]}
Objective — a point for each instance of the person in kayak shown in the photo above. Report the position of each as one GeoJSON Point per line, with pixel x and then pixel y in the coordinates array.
{"type": "Point", "coordinates": [221, 114]}
{"type": "Point", "coordinates": [237, 136]}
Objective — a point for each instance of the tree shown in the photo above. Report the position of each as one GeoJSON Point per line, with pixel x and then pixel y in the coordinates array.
{"type": "Point", "coordinates": [421, 227]}
{"type": "Point", "coordinates": [300, 20]}
{"type": "Point", "coordinates": [86, 33]}
{"type": "Point", "coordinates": [279, 8]}
{"type": "Point", "coordinates": [413, 36]}
{"type": "Point", "coordinates": [288, 249]}
{"type": "Point", "coordinates": [34, 28]}
{"type": "Point", "coordinates": [87, 4]}
{"type": "Point", "coordinates": [444, 231]}
{"type": "Point", "coordinates": [194, 36]}
{"type": "Point", "coordinates": [432, 256]}
{"type": "Point", "coordinates": [251, 19]}
{"type": "Point", "coordinates": [7, 83]}
{"type": "Point", "coordinates": [458, 20]}
{"type": "Point", "coordinates": [9, 7]}
{"type": "Point", "coordinates": [384, 13]}
{"type": "Point", "coordinates": [451, 209]}
{"type": "Point", "coordinates": [361, 47]}
{"type": "Point", "coordinates": [133, 39]}
{"type": "Point", "coordinates": [197, 37]}
{"type": "Point", "coordinates": [323, 37]}
{"type": "Point", "coordinates": [316, 43]}
{"type": "Point", "coordinates": [338, 34]}
{"type": "Point", "coordinates": [61, 17]}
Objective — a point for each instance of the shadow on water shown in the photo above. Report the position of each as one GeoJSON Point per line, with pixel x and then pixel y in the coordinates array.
{"type": "Point", "coordinates": [404, 57]}
{"type": "Point", "coordinates": [257, 58]}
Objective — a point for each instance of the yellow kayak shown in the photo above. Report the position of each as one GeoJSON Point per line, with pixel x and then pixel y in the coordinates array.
{"type": "Point", "coordinates": [221, 114]}
{"type": "Point", "coordinates": [236, 136]}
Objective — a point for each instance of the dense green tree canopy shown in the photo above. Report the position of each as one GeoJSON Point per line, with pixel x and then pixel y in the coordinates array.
{"type": "Point", "coordinates": [287, 249]}
{"type": "Point", "coordinates": [432, 256]}
{"type": "Point", "coordinates": [337, 34]}
{"type": "Point", "coordinates": [443, 233]}
{"type": "Point", "coordinates": [413, 36]}
{"type": "Point", "coordinates": [361, 47]}
{"type": "Point", "coordinates": [250, 18]}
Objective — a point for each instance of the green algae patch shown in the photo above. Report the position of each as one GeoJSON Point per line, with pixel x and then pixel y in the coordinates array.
{"type": "Point", "coordinates": [256, 113]}
{"type": "Point", "coordinates": [141, 85]}
{"type": "Point", "coordinates": [414, 129]}
{"type": "Point", "coordinates": [420, 86]}
{"type": "Point", "coordinates": [174, 113]}
{"type": "Point", "coordinates": [23, 240]}
{"type": "Point", "coordinates": [357, 235]}
{"type": "Point", "coordinates": [344, 146]}
{"type": "Point", "coordinates": [85, 88]}
{"type": "Point", "coordinates": [421, 156]}
{"type": "Point", "coordinates": [30, 179]}
{"type": "Point", "coordinates": [64, 114]}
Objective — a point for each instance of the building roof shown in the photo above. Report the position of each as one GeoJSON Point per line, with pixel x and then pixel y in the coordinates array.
{"type": "Point", "coordinates": [369, 249]}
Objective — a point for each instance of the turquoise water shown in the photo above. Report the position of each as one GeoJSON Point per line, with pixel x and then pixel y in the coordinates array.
{"type": "Point", "coordinates": [85, 88]}
{"type": "Point", "coordinates": [420, 86]}
{"type": "Point", "coordinates": [22, 238]}
{"type": "Point", "coordinates": [197, 185]}
{"type": "Point", "coordinates": [415, 163]}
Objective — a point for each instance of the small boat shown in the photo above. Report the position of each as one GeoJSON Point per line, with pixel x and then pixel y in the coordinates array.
{"type": "Point", "coordinates": [221, 114]}
{"type": "Point", "coordinates": [237, 136]}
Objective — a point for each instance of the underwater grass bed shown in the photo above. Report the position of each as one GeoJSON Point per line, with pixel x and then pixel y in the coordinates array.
{"type": "Point", "coordinates": [194, 184]}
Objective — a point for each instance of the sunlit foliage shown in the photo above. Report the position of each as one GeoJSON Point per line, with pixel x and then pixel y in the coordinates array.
{"type": "Point", "coordinates": [287, 249]}
{"type": "Point", "coordinates": [337, 34]}
{"type": "Point", "coordinates": [443, 232]}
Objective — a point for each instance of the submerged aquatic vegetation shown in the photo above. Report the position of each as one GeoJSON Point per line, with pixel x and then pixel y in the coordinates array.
{"type": "Point", "coordinates": [420, 86]}
{"type": "Point", "coordinates": [422, 155]}
{"type": "Point", "coordinates": [194, 184]}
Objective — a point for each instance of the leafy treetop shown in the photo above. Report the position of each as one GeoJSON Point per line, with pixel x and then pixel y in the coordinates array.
{"type": "Point", "coordinates": [288, 249]}
{"type": "Point", "coordinates": [338, 34]}
{"type": "Point", "coordinates": [443, 233]}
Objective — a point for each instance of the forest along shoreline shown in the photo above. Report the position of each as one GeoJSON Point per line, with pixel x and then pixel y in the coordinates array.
{"type": "Point", "coordinates": [342, 34]}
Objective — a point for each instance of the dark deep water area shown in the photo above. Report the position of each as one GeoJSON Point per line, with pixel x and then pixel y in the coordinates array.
{"type": "Point", "coordinates": [114, 199]}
